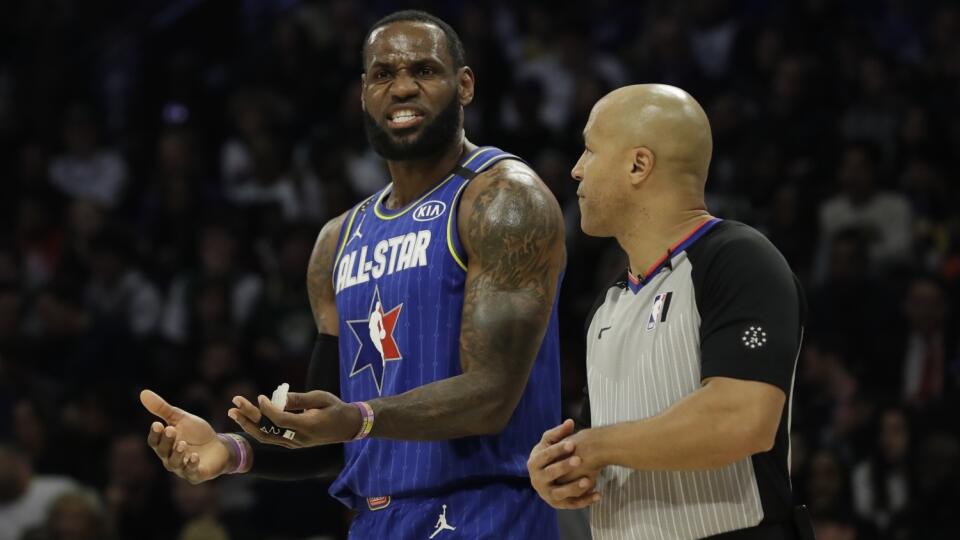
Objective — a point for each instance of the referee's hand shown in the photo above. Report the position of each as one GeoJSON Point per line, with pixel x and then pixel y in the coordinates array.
{"type": "Point", "coordinates": [550, 461]}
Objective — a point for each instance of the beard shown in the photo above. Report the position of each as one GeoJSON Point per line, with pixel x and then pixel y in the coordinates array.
{"type": "Point", "coordinates": [434, 137]}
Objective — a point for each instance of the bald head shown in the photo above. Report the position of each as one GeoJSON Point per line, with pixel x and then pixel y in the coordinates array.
{"type": "Point", "coordinates": [646, 153]}
{"type": "Point", "coordinates": [662, 118]}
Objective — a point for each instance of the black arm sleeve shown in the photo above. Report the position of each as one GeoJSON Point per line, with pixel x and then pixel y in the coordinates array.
{"type": "Point", "coordinates": [279, 463]}
{"type": "Point", "coordinates": [752, 311]}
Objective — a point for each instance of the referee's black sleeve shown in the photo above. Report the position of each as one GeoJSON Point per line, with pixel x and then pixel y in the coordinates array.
{"type": "Point", "coordinates": [752, 310]}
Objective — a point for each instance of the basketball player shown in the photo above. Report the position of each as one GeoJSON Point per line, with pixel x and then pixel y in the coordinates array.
{"type": "Point", "coordinates": [690, 356]}
{"type": "Point", "coordinates": [438, 295]}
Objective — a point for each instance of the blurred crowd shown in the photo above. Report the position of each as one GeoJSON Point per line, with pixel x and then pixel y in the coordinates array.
{"type": "Point", "coordinates": [166, 167]}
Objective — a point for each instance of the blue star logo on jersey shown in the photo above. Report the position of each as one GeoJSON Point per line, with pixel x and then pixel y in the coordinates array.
{"type": "Point", "coordinates": [375, 343]}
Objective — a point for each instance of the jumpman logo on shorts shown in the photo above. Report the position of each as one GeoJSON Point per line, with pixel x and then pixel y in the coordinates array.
{"type": "Point", "coordinates": [442, 523]}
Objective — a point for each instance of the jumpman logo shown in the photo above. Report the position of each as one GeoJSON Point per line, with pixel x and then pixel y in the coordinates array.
{"type": "Point", "coordinates": [442, 523]}
{"type": "Point", "coordinates": [356, 232]}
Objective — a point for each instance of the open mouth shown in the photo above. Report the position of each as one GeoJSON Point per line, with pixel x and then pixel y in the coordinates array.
{"type": "Point", "coordinates": [404, 119]}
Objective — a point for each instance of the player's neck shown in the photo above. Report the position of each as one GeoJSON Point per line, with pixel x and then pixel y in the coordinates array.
{"type": "Point", "coordinates": [412, 178]}
{"type": "Point", "coordinates": [648, 240]}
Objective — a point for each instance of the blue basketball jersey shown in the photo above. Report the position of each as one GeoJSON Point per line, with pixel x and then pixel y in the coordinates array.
{"type": "Point", "coordinates": [399, 280]}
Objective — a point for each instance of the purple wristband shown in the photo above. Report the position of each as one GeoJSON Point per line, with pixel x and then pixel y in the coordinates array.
{"type": "Point", "coordinates": [366, 417]}
{"type": "Point", "coordinates": [241, 452]}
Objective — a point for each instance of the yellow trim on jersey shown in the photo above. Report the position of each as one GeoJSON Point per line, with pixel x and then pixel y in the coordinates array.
{"type": "Point", "coordinates": [411, 206]}
{"type": "Point", "coordinates": [455, 204]}
{"type": "Point", "coordinates": [345, 234]}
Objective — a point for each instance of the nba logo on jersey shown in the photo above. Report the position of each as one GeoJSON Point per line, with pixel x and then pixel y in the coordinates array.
{"type": "Point", "coordinates": [661, 303]}
{"type": "Point", "coordinates": [375, 341]}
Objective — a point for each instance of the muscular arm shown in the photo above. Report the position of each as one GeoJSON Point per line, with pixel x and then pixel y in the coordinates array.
{"type": "Point", "coordinates": [512, 231]}
{"type": "Point", "coordinates": [724, 421]}
{"type": "Point", "coordinates": [320, 277]}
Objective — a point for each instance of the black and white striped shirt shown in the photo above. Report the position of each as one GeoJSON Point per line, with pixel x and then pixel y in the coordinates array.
{"type": "Point", "coordinates": [722, 303]}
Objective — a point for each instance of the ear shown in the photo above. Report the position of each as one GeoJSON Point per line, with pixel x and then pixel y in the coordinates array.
{"type": "Point", "coordinates": [363, 84]}
{"type": "Point", "coordinates": [642, 166]}
{"type": "Point", "coordinates": [465, 85]}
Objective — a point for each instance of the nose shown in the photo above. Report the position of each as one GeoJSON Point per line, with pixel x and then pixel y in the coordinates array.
{"type": "Point", "coordinates": [577, 171]}
{"type": "Point", "coordinates": [404, 86]}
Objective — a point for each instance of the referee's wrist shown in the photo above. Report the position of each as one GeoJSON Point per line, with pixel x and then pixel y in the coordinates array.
{"type": "Point", "coordinates": [594, 446]}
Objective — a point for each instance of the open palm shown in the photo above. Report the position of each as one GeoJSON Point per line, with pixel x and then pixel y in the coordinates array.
{"type": "Point", "coordinates": [188, 446]}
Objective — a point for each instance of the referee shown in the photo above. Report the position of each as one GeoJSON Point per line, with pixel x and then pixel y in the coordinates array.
{"type": "Point", "coordinates": [690, 356]}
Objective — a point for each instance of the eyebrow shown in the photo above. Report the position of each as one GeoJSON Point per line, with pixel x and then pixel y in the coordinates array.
{"type": "Point", "coordinates": [415, 62]}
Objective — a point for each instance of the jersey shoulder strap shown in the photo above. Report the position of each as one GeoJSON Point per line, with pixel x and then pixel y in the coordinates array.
{"type": "Point", "coordinates": [482, 160]}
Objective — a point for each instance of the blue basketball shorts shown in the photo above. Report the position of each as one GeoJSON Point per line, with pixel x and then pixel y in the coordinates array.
{"type": "Point", "coordinates": [494, 510]}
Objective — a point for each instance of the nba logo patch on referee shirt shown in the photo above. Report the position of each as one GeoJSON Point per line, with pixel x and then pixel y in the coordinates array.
{"type": "Point", "coordinates": [661, 304]}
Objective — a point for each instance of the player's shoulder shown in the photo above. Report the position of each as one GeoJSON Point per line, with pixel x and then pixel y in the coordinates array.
{"type": "Point", "coordinates": [510, 180]}
{"type": "Point", "coordinates": [325, 247]}
{"type": "Point", "coordinates": [331, 229]}
{"type": "Point", "coordinates": [509, 207]}
{"type": "Point", "coordinates": [508, 173]}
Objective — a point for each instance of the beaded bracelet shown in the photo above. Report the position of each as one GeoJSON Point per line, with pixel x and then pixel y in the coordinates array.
{"type": "Point", "coordinates": [366, 413]}
{"type": "Point", "coordinates": [239, 448]}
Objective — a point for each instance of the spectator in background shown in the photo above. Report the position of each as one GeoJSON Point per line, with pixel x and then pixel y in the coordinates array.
{"type": "Point", "coordinates": [118, 294]}
{"type": "Point", "coordinates": [24, 497]}
{"type": "Point", "coordinates": [283, 327]}
{"type": "Point", "coordinates": [219, 290]}
{"type": "Point", "coordinates": [928, 345]}
{"type": "Point", "coordinates": [269, 185]}
{"type": "Point", "coordinates": [256, 162]}
{"type": "Point", "coordinates": [172, 201]}
{"type": "Point", "coordinates": [881, 484]}
{"type": "Point", "coordinates": [938, 486]}
{"type": "Point", "coordinates": [75, 515]}
{"type": "Point", "coordinates": [529, 134]}
{"type": "Point", "coordinates": [39, 240]}
{"type": "Point", "coordinates": [850, 307]}
{"type": "Point", "coordinates": [250, 117]}
{"type": "Point", "coordinates": [568, 56]}
{"type": "Point", "coordinates": [135, 492]}
{"type": "Point", "coordinates": [883, 217]}
{"type": "Point", "coordinates": [788, 225]}
{"type": "Point", "coordinates": [872, 115]}
{"type": "Point", "coordinates": [218, 363]}
{"type": "Point", "coordinates": [927, 189]}
{"type": "Point", "coordinates": [197, 508]}
{"type": "Point", "coordinates": [87, 169]}
{"type": "Point", "coordinates": [86, 220]}
{"type": "Point", "coordinates": [663, 54]}
{"type": "Point", "coordinates": [31, 419]}
{"type": "Point", "coordinates": [363, 168]}
{"type": "Point", "coordinates": [85, 424]}
{"type": "Point", "coordinates": [827, 492]}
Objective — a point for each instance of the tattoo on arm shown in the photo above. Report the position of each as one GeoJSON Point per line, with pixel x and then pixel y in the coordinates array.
{"type": "Point", "coordinates": [512, 230]}
{"type": "Point", "coordinates": [320, 277]}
